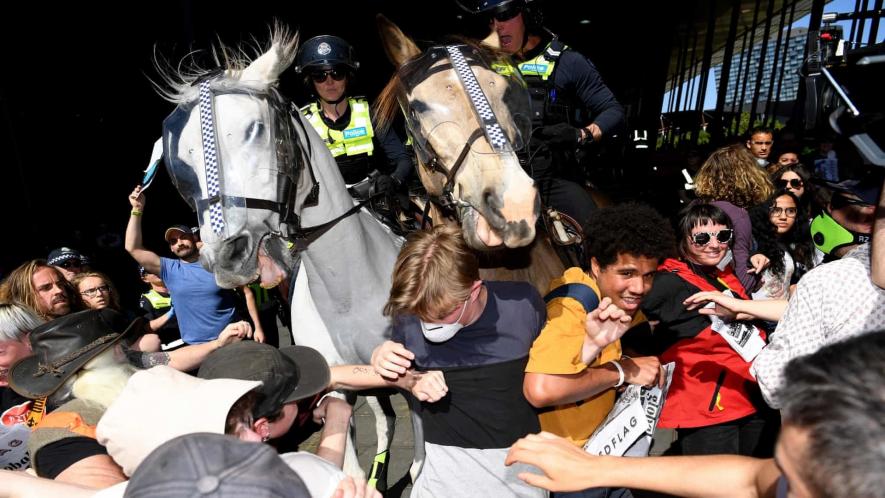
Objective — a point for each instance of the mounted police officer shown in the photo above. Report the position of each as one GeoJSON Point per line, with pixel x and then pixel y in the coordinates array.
{"type": "Point", "coordinates": [571, 106]}
{"type": "Point", "coordinates": [328, 64]}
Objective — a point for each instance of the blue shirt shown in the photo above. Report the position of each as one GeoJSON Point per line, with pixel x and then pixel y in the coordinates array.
{"type": "Point", "coordinates": [203, 308]}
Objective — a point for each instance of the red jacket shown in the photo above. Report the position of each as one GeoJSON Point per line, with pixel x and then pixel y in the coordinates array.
{"type": "Point", "coordinates": [711, 383]}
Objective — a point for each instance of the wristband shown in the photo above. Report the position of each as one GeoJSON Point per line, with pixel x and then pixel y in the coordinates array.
{"type": "Point", "coordinates": [620, 373]}
{"type": "Point", "coordinates": [136, 212]}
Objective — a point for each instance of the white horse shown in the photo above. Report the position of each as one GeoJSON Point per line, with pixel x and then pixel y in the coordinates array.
{"type": "Point", "coordinates": [257, 173]}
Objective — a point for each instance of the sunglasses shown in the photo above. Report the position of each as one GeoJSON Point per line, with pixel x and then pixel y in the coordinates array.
{"type": "Point", "coordinates": [506, 14]}
{"type": "Point", "coordinates": [95, 290]}
{"type": "Point", "coordinates": [777, 211]}
{"type": "Point", "coordinates": [71, 263]}
{"type": "Point", "coordinates": [704, 238]}
{"type": "Point", "coordinates": [321, 76]}
{"type": "Point", "coordinates": [795, 183]}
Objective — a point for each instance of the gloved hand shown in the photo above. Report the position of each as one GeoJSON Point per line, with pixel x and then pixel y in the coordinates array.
{"type": "Point", "coordinates": [560, 135]}
{"type": "Point", "coordinates": [387, 184]}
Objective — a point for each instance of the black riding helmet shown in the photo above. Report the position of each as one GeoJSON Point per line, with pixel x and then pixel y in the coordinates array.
{"type": "Point", "coordinates": [325, 52]}
{"type": "Point", "coordinates": [507, 9]}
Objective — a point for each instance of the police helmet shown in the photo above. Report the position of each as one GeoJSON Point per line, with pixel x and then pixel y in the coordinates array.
{"type": "Point", "coordinates": [325, 51]}
{"type": "Point", "coordinates": [532, 15]}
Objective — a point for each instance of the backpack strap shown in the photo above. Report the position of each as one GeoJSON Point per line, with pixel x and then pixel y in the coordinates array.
{"type": "Point", "coordinates": [582, 293]}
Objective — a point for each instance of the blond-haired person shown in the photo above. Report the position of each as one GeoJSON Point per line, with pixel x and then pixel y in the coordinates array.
{"type": "Point", "coordinates": [478, 333]}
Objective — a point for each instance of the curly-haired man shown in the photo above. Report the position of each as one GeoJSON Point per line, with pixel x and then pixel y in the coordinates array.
{"type": "Point", "coordinates": [575, 365]}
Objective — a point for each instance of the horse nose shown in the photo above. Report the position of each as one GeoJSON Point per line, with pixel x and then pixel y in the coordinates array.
{"type": "Point", "coordinates": [515, 223]}
{"type": "Point", "coordinates": [234, 251]}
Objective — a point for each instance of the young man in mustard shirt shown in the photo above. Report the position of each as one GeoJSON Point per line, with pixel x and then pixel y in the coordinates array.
{"type": "Point", "coordinates": [575, 365]}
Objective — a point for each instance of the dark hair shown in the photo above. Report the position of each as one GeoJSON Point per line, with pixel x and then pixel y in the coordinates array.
{"type": "Point", "coordinates": [628, 229]}
{"type": "Point", "coordinates": [696, 214]}
{"type": "Point", "coordinates": [809, 202]}
{"type": "Point", "coordinates": [837, 395]}
{"type": "Point", "coordinates": [759, 129]}
{"type": "Point", "coordinates": [797, 240]}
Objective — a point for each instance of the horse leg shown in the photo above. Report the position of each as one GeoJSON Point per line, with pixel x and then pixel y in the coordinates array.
{"type": "Point", "coordinates": [385, 424]}
{"type": "Point", "coordinates": [351, 462]}
{"type": "Point", "coordinates": [418, 433]}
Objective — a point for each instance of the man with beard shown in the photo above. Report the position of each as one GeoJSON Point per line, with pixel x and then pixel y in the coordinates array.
{"type": "Point", "coordinates": [202, 307]}
{"type": "Point", "coordinates": [41, 288]}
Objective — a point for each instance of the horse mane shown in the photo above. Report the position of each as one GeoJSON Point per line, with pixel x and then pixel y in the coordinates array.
{"type": "Point", "coordinates": [176, 82]}
{"type": "Point", "coordinates": [387, 105]}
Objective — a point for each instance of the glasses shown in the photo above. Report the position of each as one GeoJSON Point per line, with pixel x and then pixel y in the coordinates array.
{"type": "Point", "coordinates": [704, 238]}
{"type": "Point", "coordinates": [95, 290]}
{"type": "Point", "coordinates": [778, 211]}
{"type": "Point", "coordinates": [321, 76]}
{"type": "Point", "coordinates": [71, 263]}
{"type": "Point", "coordinates": [794, 182]}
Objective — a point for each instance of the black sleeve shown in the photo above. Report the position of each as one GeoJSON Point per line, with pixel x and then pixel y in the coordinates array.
{"type": "Point", "coordinates": [52, 459]}
{"type": "Point", "coordinates": [578, 74]}
{"type": "Point", "coordinates": [149, 311]}
{"type": "Point", "coordinates": [395, 151]}
{"type": "Point", "coordinates": [663, 304]}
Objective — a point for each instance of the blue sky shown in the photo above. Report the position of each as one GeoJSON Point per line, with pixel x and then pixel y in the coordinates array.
{"type": "Point", "coordinates": [710, 97]}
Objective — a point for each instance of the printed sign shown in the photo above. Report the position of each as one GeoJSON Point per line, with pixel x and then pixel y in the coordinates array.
{"type": "Point", "coordinates": [629, 428]}
{"type": "Point", "coordinates": [743, 337]}
{"type": "Point", "coordinates": [14, 447]}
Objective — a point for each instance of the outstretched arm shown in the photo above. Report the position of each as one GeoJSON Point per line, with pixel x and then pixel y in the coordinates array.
{"type": "Point", "coordinates": [426, 386]}
{"type": "Point", "coordinates": [737, 309]}
{"type": "Point", "coordinates": [877, 248]}
{"type": "Point", "coordinates": [568, 468]}
{"type": "Point", "coordinates": [148, 259]}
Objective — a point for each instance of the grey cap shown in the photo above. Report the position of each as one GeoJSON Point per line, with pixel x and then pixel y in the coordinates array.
{"type": "Point", "coordinates": [213, 465]}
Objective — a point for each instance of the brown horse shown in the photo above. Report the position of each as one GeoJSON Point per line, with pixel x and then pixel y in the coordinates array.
{"type": "Point", "coordinates": [459, 100]}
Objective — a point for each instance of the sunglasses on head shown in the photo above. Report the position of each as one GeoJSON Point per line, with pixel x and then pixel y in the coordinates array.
{"type": "Point", "coordinates": [321, 76]}
{"type": "Point", "coordinates": [794, 182]}
{"type": "Point", "coordinates": [704, 238]}
{"type": "Point", "coordinates": [505, 14]}
{"type": "Point", "coordinates": [71, 263]}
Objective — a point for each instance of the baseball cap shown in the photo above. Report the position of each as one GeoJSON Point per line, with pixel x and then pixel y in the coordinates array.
{"type": "Point", "coordinates": [287, 374]}
{"type": "Point", "coordinates": [213, 465]}
{"type": "Point", "coordinates": [177, 228]}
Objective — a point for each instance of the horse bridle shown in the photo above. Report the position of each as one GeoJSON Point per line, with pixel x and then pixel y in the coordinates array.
{"type": "Point", "coordinates": [489, 127]}
{"type": "Point", "coordinates": [290, 224]}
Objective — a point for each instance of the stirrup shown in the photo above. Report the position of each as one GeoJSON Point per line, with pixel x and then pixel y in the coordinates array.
{"type": "Point", "coordinates": [378, 474]}
{"type": "Point", "coordinates": [563, 229]}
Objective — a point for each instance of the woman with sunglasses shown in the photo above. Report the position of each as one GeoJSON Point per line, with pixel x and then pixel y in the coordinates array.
{"type": "Point", "coordinates": [797, 179]}
{"type": "Point", "coordinates": [711, 399]}
{"type": "Point", "coordinates": [345, 123]}
{"type": "Point", "coordinates": [731, 180]}
{"type": "Point", "coordinates": [97, 291]}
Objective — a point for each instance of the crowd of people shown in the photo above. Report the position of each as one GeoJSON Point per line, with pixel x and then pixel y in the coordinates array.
{"type": "Point", "coordinates": [759, 312]}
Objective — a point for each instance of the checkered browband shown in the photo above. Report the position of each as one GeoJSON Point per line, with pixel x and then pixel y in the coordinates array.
{"type": "Point", "coordinates": [210, 157]}
{"type": "Point", "coordinates": [489, 122]}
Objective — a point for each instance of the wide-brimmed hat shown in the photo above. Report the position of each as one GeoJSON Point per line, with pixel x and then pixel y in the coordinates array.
{"type": "Point", "coordinates": [64, 345]}
{"type": "Point", "coordinates": [287, 374]}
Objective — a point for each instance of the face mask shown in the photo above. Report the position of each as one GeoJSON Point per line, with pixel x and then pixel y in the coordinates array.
{"type": "Point", "coordinates": [762, 162]}
{"type": "Point", "coordinates": [828, 235]}
{"type": "Point", "coordinates": [442, 332]}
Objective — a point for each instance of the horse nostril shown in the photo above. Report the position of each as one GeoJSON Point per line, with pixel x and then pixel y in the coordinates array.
{"type": "Point", "coordinates": [237, 248]}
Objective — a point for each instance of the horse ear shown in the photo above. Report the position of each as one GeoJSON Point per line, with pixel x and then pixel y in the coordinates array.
{"type": "Point", "coordinates": [399, 47]}
{"type": "Point", "coordinates": [492, 41]}
{"type": "Point", "coordinates": [267, 67]}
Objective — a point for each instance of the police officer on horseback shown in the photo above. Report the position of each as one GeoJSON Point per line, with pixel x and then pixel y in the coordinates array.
{"type": "Point", "coordinates": [346, 124]}
{"type": "Point", "coordinates": [571, 106]}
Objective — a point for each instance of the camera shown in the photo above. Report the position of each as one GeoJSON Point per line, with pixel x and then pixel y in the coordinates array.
{"type": "Point", "coordinates": [843, 89]}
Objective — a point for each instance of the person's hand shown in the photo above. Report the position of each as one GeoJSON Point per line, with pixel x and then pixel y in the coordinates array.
{"type": "Point", "coordinates": [726, 306]}
{"type": "Point", "coordinates": [603, 326]}
{"type": "Point", "coordinates": [332, 408]}
{"type": "Point", "coordinates": [759, 263]}
{"type": "Point", "coordinates": [560, 135]}
{"type": "Point", "coordinates": [644, 371]}
{"type": "Point", "coordinates": [595, 132]}
{"type": "Point", "coordinates": [386, 184]}
{"type": "Point", "coordinates": [136, 199]}
{"type": "Point", "coordinates": [258, 334]}
{"type": "Point", "coordinates": [234, 332]}
{"type": "Point", "coordinates": [429, 386]}
{"type": "Point", "coordinates": [353, 487]}
{"type": "Point", "coordinates": [564, 465]}
{"type": "Point", "coordinates": [391, 359]}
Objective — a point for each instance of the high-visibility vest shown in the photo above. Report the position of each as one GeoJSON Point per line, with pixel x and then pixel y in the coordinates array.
{"type": "Point", "coordinates": [355, 139]}
{"type": "Point", "coordinates": [157, 300]}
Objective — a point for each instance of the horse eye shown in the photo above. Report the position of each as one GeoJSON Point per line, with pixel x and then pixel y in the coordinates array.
{"type": "Point", "coordinates": [255, 130]}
